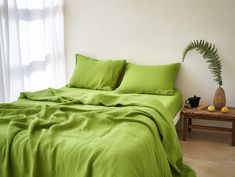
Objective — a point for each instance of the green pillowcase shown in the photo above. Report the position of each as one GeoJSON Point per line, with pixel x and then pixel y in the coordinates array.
{"type": "Point", "coordinates": [96, 74]}
{"type": "Point", "coordinates": [149, 79]}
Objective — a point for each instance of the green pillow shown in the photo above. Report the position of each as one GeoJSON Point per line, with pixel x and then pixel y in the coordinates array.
{"type": "Point", "coordinates": [149, 79]}
{"type": "Point", "coordinates": [95, 74]}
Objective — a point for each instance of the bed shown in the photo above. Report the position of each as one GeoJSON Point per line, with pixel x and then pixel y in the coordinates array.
{"type": "Point", "coordinates": [172, 103]}
{"type": "Point", "coordinates": [77, 132]}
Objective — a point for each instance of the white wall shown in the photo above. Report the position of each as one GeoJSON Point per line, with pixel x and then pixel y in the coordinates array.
{"type": "Point", "coordinates": [155, 32]}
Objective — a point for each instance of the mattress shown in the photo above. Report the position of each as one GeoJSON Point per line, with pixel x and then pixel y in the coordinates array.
{"type": "Point", "coordinates": [172, 102]}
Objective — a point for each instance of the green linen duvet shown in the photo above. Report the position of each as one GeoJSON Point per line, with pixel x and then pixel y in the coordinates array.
{"type": "Point", "coordinates": [72, 132]}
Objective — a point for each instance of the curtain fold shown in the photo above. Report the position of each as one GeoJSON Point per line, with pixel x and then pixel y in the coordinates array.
{"type": "Point", "coordinates": [32, 46]}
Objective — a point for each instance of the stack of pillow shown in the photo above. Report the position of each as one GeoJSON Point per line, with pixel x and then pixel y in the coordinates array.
{"type": "Point", "coordinates": [106, 75]}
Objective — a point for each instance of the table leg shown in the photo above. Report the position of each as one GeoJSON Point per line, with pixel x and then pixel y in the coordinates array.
{"type": "Point", "coordinates": [233, 134]}
{"type": "Point", "coordinates": [185, 127]}
{"type": "Point", "coordinates": [189, 123]}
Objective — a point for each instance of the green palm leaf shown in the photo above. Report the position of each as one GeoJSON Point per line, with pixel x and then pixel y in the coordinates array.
{"type": "Point", "coordinates": [210, 53]}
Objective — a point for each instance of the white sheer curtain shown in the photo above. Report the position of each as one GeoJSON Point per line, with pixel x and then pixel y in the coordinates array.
{"type": "Point", "coordinates": [31, 46]}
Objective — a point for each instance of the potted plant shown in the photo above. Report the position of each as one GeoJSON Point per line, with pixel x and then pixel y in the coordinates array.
{"type": "Point", "coordinates": [210, 54]}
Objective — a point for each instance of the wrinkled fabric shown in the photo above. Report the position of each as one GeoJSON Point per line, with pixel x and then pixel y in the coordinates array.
{"type": "Point", "coordinates": [66, 134]}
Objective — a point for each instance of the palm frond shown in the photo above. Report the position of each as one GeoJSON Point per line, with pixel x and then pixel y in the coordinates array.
{"type": "Point", "coordinates": [210, 53]}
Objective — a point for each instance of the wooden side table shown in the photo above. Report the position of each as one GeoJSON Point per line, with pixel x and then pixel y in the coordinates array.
{"type": "Point", "coordinates": [188, 114]}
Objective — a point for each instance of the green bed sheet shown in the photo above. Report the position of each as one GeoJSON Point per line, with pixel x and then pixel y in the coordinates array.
{"type": "Point", "coordinates": [172, 103]}
{"type": "Point", "coordinates": [72, 132]}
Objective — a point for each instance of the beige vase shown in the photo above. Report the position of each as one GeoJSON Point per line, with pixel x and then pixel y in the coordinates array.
{"type": "Point", "coordinates": [219, 98]}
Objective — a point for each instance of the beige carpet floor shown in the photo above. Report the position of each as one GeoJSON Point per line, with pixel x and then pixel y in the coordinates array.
{"type": "Point", "coordinates": [209, 153]}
